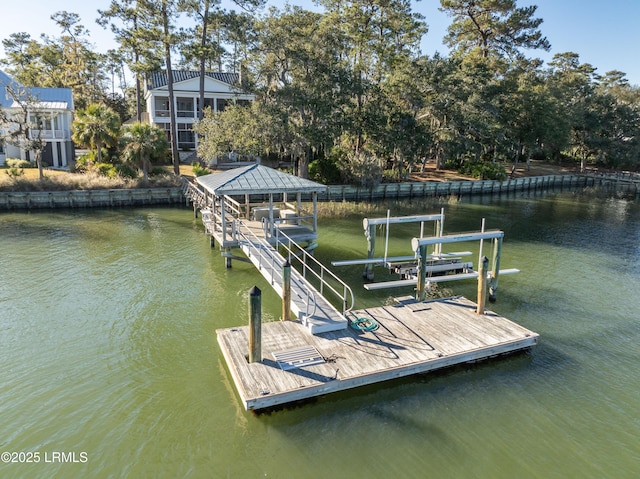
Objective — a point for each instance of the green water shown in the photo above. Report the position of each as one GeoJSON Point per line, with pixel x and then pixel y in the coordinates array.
{"type": "Point", "coordinates": [108, 348]}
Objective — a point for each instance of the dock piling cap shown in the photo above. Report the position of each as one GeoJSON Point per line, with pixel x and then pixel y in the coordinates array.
{"type": "Point", "coordinates": [255, 291]}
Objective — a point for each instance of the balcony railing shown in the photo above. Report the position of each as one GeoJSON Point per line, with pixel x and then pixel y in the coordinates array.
{"type": "Point", "coordinates": [51, 134]}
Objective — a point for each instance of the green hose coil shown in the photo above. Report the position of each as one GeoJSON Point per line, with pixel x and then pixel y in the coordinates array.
{"type": "Point", "coordinates": [364, 324]}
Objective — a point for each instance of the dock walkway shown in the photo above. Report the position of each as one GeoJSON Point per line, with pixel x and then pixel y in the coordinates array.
{"type": "Point", "coordinates": [312, 308]}
{"type": "Point", "coordinates": [413, 337]}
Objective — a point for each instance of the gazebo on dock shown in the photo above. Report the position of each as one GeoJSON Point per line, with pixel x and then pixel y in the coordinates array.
{"type": "Point", "coordinates": [260, 202]}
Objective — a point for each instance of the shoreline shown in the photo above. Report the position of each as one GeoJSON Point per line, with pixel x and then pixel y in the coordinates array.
{"type": "Point", "coordinates": [175, 195]}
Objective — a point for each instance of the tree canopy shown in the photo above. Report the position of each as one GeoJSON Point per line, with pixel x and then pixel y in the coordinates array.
{"type": "Point", "coordinates": [349, 87]}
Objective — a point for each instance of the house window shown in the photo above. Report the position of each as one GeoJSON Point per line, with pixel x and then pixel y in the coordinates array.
{"type": "Point", "coordinates": [186, 137]}
{"type": "Point", "coordinates": [243, 102]}
{"type": "Point", "coordinates": [185, 107]}
{"type": "Point", "coordinates": [222, 104]}
{"type": "Point", "coordinates": [161, 106]}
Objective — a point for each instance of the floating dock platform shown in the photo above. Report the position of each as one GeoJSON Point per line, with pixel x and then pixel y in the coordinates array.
{"type": "Point", "coordinates": [412, 337]}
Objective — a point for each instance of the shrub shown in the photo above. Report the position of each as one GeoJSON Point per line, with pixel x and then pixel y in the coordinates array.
{"type": "Point", "coordinates": [14, 172]}
{"type": "Point", "coordinates": [125, 171]}
{"type": "Point", "coordinates": [106, 169]}
{"type": "Point", "coordinates": [483, 170]}
{"type": "Point", "coordinates": [18, 163]}
{"type": "Point", "coordinates": [324, 170]}
{"type": "Point", "coordinates": [452, 164]}
{"type": "Point", "coordinates": [199, 170]}
{"type": "Point", "coordinates": [391, 176]}
{"type": "Point", "coordinates": [83, 163]}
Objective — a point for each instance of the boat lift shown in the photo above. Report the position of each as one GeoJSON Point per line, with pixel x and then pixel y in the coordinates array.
{"type": "Point", "coordinates": [405, 266]}
{"type": "Point", "coordinates": [423, 268]}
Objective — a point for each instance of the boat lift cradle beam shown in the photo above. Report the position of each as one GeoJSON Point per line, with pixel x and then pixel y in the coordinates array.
{"type": "Point", "coordinates": [401, 219]}
{"type": "Point", "coordinates": [436, 279]}
{"type": "Point", "coordinates": [393, 259]}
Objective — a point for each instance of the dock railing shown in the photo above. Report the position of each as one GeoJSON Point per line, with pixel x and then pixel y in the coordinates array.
{"type": "Point", "coordinates": [193, 193]}
{"type": "Point", "coordinates": [323, 274]}
{"type": "Point", "coordinates": [268, 257]}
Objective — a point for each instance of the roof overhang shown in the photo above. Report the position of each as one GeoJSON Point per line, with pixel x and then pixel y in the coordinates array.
{"type": "Point", "coordinates": [256, 179]}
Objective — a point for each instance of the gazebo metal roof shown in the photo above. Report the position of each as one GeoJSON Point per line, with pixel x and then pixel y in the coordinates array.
{"type": "Point", "coordinates": [256, 179]}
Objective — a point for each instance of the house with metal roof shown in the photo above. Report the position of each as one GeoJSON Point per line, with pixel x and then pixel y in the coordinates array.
{"type": "Point", "coordinates": [50, 112]}
{"type": "Point", "coordinates": [220, 90]}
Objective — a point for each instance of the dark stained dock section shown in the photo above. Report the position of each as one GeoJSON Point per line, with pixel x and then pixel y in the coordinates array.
{"type": "Point", "coordinates": [412, 337]}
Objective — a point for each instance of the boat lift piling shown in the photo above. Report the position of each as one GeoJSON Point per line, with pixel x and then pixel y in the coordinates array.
{"type": "Point", "coordinates": [482, 284]}
{"type": "Point", "coordinates": [422, 273]}
{"type": "Point", "coordinates": [495, 269]}
{"type": "Point", "coordinates": [419, 246]}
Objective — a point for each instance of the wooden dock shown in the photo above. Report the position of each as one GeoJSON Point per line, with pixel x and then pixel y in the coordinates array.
{"type": "Point", "coordinates": [412, 337]}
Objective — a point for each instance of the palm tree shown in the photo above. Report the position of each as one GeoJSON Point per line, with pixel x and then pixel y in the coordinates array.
{"type": "Point", "coordinates": [142, 142]}
{"type": "Point", "coordinates": [96, 126]}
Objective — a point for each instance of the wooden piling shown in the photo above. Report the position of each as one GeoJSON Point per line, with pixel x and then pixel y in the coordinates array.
{"type": "Point", "coordinates": [286, 291]}
{"type": "Point", "coordinates": [495, 269]}
{"type": "Point", "coordinates": [482, 284]}
{"type": "Point", "coordinates": [422, 273]}
{"type": "Point", "coordinates": [255, 325]}
{"type": "Point", "coordinates": [371, 249]}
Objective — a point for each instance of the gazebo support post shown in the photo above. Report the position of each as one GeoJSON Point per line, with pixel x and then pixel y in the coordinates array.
{"type": "Point", "coordinates": [314, 195]}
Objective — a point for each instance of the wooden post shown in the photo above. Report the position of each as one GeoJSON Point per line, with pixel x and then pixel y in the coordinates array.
{"type": "Point", "coordinates": [247, 206]}
{"type": "Point", "coordinates": [286, 291]}
{"type": "Point", "coordinates": [495, 269]}
{"type": "Point", "coordinates": [270, 215]}
{"type": "Point", "coordinates": [255, 325]}
{"type": "Point", "coordinates": [482, 284]}
{"type": "Point", "coordinates": [195, 211]}
{"type": "Point", "coordinates": [227, 257]}
{"type": "Point", "coordinates": [422, 274]}
{"type": "Point", "coordinates": [370, 233]}
{"type": "Point", "coordinates": [314, 196]}
{"type": "Point", "coordinates": [223, 220]}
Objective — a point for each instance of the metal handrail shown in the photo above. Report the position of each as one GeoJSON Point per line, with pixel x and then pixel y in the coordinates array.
{"type": "Point", "coordinates": [247, 234]}
{"type": "Point", "coordinates": [346, 294]}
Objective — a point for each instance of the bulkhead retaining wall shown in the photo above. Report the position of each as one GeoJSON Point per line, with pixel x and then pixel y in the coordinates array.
{"type": "Point", "coordinates": [175, 196]}
{"type": "Point", "coordinates": [90, 198]}
{"type": "Point", "coordinates": [453, 188]}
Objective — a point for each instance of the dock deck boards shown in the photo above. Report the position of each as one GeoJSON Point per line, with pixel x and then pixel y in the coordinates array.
{"type": "Point", "coordinates": [413, 337]}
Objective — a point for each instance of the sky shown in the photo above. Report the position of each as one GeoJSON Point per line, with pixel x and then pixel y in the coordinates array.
{"type": "Point", "coordinates": [604, 34]}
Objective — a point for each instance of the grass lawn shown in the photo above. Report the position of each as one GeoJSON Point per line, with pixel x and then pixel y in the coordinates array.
{"type": "Point", "coordinates": [56, 180]}
{"type": "Point", "coordinates": [32, 173]}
